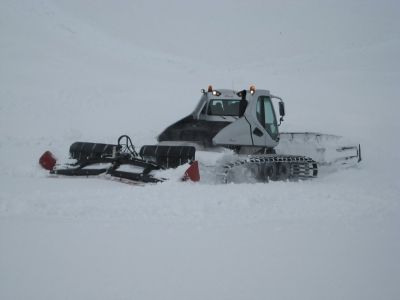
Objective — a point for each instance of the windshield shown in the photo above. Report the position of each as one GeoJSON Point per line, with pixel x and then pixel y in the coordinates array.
{"type": "Point", "coordinates": [223, 107]}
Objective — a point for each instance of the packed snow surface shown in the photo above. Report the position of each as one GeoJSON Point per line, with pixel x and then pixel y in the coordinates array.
{"type": "Point", "coordinates": [93, 70]}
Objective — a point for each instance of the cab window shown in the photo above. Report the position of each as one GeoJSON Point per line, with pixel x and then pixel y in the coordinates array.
{"type": "Point", "coordinates": [223, 107]}
{"type": "Point", "coordinates": [266, 115]}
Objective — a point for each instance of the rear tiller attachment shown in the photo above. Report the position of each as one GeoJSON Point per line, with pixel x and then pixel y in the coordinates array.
{"type": "Point", "coordinates": [120, 160]}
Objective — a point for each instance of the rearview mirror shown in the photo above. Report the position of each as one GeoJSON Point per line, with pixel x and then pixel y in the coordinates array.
{"type": "Point", "coordinates": [282, 109]}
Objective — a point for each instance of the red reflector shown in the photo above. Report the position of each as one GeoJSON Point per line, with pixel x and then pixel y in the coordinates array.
{"type": "Point", "coordinates": [192, 173]}
{"type": "Point", "coordinates": [47, 160]}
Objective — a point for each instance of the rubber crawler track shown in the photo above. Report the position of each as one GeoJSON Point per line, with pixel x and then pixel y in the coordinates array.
{"type": "Point", "coordinates": [272, 167]}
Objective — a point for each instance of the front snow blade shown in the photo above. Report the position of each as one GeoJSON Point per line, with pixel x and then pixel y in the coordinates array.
{"type": "Point", "coordinates": [325, 149]}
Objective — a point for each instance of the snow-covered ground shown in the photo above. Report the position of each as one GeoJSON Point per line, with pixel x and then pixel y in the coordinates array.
{"type": "Point", "coordinates": [92, 70]}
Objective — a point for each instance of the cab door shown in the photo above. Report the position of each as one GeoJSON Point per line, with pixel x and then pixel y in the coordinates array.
{"type": "Point", "coordinates": [261, 116]}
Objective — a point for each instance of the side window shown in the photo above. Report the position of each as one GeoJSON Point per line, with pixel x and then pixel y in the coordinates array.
{"type": "Point", "coordinates": [269, 115]}
{"type": "Point", "coordinates": [266, 115]}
